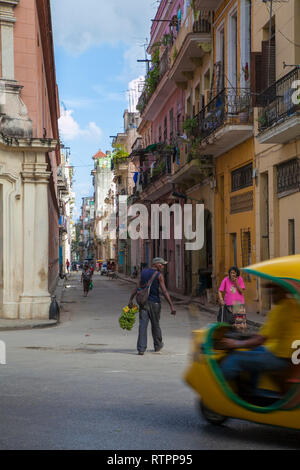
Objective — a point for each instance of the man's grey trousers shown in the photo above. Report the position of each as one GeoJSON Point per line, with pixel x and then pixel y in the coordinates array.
{"type": "Point", "coordinates": [151, 311]}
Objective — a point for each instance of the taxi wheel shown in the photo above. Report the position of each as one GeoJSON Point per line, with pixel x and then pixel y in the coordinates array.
{"type": "Point", "coordinates": [211, 416]}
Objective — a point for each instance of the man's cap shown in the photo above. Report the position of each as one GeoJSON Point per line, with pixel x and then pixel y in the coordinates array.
{"type": "Point", "coordinates": [159, 260]}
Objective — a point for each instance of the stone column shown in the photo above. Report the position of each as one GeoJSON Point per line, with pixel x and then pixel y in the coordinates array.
{"type": "Point", "coordinates": [7, 21]}
{"type": "Point", "coordinates": [35, 300]}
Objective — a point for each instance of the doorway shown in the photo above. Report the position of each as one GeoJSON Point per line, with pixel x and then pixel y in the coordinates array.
{"type": "Point", "coordinates": [233, 249]}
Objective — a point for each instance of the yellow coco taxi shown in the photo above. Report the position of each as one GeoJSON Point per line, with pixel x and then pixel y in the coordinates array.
{"type": "Point", "coordinates": [278, 400]}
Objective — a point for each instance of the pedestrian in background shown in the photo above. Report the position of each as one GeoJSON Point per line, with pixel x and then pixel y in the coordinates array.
{"type": "Point", "coordinates": [233, 304]}
{"type": "Point", "coordinates": [86, 278]}
{"type": "Point", "coordinates": [68, 266]}
{"type": "Point", "coordinates": [134, 274]}
{"type": "Point", "coordinates": [151, 310]}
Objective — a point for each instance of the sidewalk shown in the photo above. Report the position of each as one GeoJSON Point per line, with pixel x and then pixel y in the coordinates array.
{"type": "Point", "coordinates": [253, 319]}
{"type": "Point", "coordinates": [18, 324]}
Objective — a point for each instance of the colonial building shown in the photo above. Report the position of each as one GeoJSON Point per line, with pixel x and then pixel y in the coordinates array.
{"type": "Point", "coordinates": [28, 160]}
{"type": "Point", "coordinates": [66, 207]}
{"type": "Point", "coordinates": [124, 170]}
{"type": "Point", "coordinates": [162, 112]}
{"type": "Point", "coordinates": [87, 235]}
{"type": "Point", "coordinates": [228, 134]}
{"type": "Point", "coordinates": [104, 194]}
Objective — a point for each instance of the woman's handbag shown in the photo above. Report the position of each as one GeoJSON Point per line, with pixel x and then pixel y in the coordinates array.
{"type": "Point", "coordinates": [91, 286]}
{"type": "Point", "coordinates": [143, 292]}
{"type": "Point", "coordinates": [225, 315]}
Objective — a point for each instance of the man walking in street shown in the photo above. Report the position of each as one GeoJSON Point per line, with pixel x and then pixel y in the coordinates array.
{"type": "Point", "coordinates": [151, 310]}
{"type": "Point", "coordinates": [86, 278]}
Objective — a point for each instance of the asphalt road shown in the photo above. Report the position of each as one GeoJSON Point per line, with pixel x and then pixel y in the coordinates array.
{"type": "Point", "coordinates": [81, 385]}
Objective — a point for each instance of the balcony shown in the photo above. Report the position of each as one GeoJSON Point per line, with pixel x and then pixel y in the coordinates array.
{"type": "Point", "coordinates": [193, 41]}
{"type": "Point", "coordinates": [62, 182]}
{"type": "Point", "coordinates": [63, 224]}
{"type": "Point", "coordinates": [157, 88]}
{"type": "Point", "coordinates": [194, 170]}
{"type": "Point", "coordinates": [279, 115]}
{"type": "Point", "coordinates": [211, 4]}
{"type": "Point", "coordinates": [225, 122]}
{"type": "Point", "coordinates": [157, 181]}
{"type": "Point", "coordinates": [177, 62]}
{"type": "Point", "coordinates": [121, 165]}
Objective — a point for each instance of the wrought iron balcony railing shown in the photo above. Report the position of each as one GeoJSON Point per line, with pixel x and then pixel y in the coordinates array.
{"type": "Point", "coordinates": [202, 26]}
{"type": "Point", "coordinates": [161, 168]}
{"type": "Point", "coordinates": [229, 105]}
{"type": "Point", "coordinates": [277, 101]}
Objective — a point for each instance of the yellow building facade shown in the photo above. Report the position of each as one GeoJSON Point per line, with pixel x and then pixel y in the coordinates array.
{"type": "Point", "coordinates": [277, 130]}
{"type": "Point", "coordinates": [232, 143]}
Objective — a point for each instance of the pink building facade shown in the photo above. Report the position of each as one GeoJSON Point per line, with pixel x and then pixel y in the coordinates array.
{"type": "Point", "coordinates": [162, 117]}
{"type": "Point", "coordinates": [29, 157]}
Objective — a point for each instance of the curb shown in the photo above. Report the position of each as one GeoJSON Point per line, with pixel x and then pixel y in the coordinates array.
{"type": "Point", "coordinates": [48, 324]}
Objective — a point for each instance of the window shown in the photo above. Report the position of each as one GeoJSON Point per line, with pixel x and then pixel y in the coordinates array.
{"type": "Point", "coordinates": [171, 116]}
{"type": "Point", "coordinates": [198, 99]}
{"type": "Point", "coordinates": [166, 129]}
{"type": "Point", "coordinates": [232, 52]}
{"type": "Point", "coordinates": [269, 55]}
{"type": "Point", "coordinates": [220, 60]}
{"type": "Point", "coordinates": [179, 130]}
{"type": "Point", "coordinates": [189, 107]}
{"type": "Point", "coordinates": [242, 178]}
{"type": "Point", "coordinates": [245, 30]}
{"type": "Point", "coordinates": [246, 247]}
{"type": "Point", "coordinates": [263, 65]}
{"type": "Point", "coordinates": [288, 177]}
{"type": "Point", "coordinates": [291, 234]}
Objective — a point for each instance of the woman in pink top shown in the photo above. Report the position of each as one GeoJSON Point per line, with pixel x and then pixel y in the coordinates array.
{"type": "Point", "coordinates": [233, 288]}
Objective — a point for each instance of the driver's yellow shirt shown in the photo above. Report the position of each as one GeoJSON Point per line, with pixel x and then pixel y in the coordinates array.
{"type": "Point", "coordinates": [282, 328]}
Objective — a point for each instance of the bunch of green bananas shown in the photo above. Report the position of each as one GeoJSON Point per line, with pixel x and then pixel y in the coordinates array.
{"type": "Point", "coordinates": [127, 319]}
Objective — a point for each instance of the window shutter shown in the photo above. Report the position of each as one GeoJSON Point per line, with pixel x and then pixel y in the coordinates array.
{"type": "Point", "coordinates": [265, 63]}
{"type": "Point", "coordinates": [256, 77]}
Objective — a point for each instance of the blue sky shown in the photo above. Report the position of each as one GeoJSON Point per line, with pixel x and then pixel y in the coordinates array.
{"type": "Point", "coordinates": [96, 49]}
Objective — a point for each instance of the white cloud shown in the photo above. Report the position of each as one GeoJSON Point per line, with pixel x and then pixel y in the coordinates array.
{"type": "Point", "coordinates": [70, 129]}
{"type": "Point", "coordinates": [101, 22]}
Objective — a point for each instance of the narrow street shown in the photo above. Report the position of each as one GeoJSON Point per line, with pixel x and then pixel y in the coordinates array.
{"type": "Point", "coordinates": [81, 385]}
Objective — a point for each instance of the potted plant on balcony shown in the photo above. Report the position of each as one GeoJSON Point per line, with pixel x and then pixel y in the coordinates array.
{"type": "Point", "coordinates": [167, 40]}
{"type": "Point", "coordinates": [119, 155]}
{"type": "Point", "coordinates": [159, 169]}
{"type": "Point", "coordinates": [262, 120]}
{"type": "Point", "coordinates": [195, 9]}
{"type": "Point", "coordinates": [152, 77]}
{"type": "Point", "coordinates": [190, 127]}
